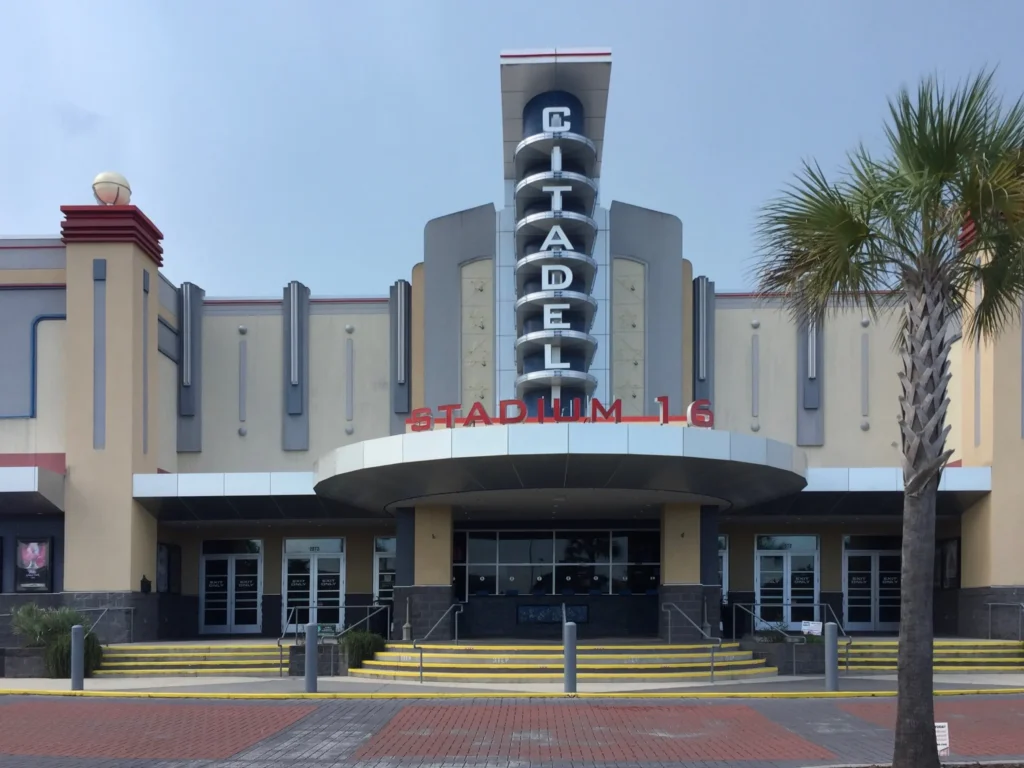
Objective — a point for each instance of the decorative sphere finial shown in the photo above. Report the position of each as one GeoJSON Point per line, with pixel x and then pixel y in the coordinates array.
{"type": "Point", "coordinates": [110, 188]}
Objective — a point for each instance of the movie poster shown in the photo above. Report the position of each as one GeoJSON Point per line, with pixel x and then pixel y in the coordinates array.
{"type": "Point", "coordinates": [32, 565]}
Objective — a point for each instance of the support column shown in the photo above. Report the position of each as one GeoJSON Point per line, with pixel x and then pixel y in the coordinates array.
{"type": "Point", "coordinates": [405, 557]}
{"type": "Point", "coordinates": [430, 593]}
{"type": "Point", "coordinates": [711, 583]}
{"type": "Point", "coordinates": [113, 258]}
{"type": "Point", "coordinates": [681, 571]}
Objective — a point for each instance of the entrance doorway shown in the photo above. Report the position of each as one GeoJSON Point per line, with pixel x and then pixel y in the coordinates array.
{"type": "Point", "coordinates": [872, 591]}
{"type": "Point", "coordinates": [313, 583]}
{"type": "Point", "coordinates": [231, 573]}
{"type": "Point", "coordinates": [786, 579]}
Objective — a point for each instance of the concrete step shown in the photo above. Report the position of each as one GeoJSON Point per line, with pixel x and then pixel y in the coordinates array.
{"type": "Point", "coordinates": [556, 658]}
{"type": "Point", "coordinates": [616, 670]}
{"type": "Point", "coordinates": [191, 672]}
{"type": "Point", "coordinates": [555, 677]}
{"type": "Point", "coordinates": [506, 649]}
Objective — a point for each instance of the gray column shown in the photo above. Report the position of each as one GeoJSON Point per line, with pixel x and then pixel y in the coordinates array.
{"type": "Point", "coordinates": [190, 368]}
{"type": "Point", "coordinates": [400, 312]}
{"type": "Point", "coordinates": [810, 368]}
{"type": "Point", "coordinates": [704, 340]}
{"type": "Point", "coordinates": [99, 354]}
{"type": "Point", "coordinates": [295, 411]}
{"type": "Point", "coordinates": [405, 547]}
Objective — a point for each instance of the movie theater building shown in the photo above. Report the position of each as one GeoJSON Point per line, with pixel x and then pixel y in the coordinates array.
{"type": "Point", "coordinates": [550, 408]}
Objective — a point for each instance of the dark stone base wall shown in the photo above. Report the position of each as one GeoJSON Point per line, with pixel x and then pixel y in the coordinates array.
{"type": "Point", "coordinates": [331, 662]}
{"type": "Point", "coordinates": [790, 658]}
{"type": "Point", "coordinates": [426, 606]}
{"type": "Point", "coordinates": [690, 599]}
{"type": "Point", "coordinates": [946, 612]}
{"type": "Point", "coordinates": [22, 662]}
{"type": "Point", "coordinates": [973, 612]}
{"type": "Point", "coordinates": [596, 616]}
{"type": "Point", "coordinates": [129, 616]}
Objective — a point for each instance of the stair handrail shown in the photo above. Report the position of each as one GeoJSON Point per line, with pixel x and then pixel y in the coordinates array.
{"type": "Point", "coordinates": [716, 642]}
{"type": "Point", "coordinates": [417, 644]}
{"type": "Point", "coordinates": [565, 617]}
{"type": "Point", "coordinates": [1020, 617]}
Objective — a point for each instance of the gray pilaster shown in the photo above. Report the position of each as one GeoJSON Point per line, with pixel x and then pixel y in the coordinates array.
{"type": "Point", "coordinates": [400, 310]}
{"type": "Point", "coordinates": [709, 545]}
{"type": "Point", "coordinates": [449, 242]}
{"type": "Point", "coordinates": [405, 547]}
{"type": "Point", "coordinates": [810, 369]}
{"type": "Point", "coordinates": [704, 339]}
{"type": "Point", "coordinates": [167, 340]}
{"type": "Point", "coordinates": [656, 239]}
{"type": "Point", "coordinates": [295, 414]}
{"type": "Point", "coordinates": [145, 361]}
{"type": "Point", "coordinates": [190, 368]}
{"type": "Point", "coordinates": [99, 354]}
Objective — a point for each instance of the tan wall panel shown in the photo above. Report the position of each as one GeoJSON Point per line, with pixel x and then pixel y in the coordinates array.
{"type": "Point", "coordinates": [846, 444]}
{"type": "Point", "coordinates": [629, 354]}
{"type": "Point", "coordinates": [680, 544]}
{"type": "Point", "coordinates": [955, 414]}
{"type": "Point", "coordinates": [976, 545]}
{"type": "Point", "coordinates": [418, 350]}
{"type": "Point", "coordinates": [776, 371]}
{"type": "Point", "coordinates": [166, 416]}
{"type": "Point", "coordinates": [358, 551]}
{"type": "Point", "coordinates": [33, 276]}
{"type": "Point", "coordinates": [224, 450]}
{"type": "Point", "coordinates": [433, 546]}
{"type": "Point", "coordinates": [478, 363]}
{"type": "Point", "coordinates": [44, 433]}
{"type": "Point", "coordinates": [100, 513]}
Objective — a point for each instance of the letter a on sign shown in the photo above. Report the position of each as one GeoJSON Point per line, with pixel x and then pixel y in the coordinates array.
{"type": "Point", "coordinates": [556, 239]}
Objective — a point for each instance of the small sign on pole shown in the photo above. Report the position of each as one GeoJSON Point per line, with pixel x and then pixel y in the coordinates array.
{"type": "Point", "coordinates": [810, 627]}
{"type": "Point", "coordinates": [942, 738]}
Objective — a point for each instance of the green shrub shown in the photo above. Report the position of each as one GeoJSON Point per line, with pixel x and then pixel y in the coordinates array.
{"type": "Point", "coordinates": [361, 646]}
{"type": "Point", "coordinates": [50, 629]}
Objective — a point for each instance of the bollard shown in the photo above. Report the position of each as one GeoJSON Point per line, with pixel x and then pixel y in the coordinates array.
{"type": "Point", "coordinates": [311, 658]}
{"type": "Point", "coordinates": [831, 636]}
{"type": "Point", "coordinates": [77, 658]}
{"type": "Point", "coordinates": [569, 660]}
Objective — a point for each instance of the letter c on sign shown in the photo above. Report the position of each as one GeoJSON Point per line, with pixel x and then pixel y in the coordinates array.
{"type": "Point", "coordinates": [552, 124]}
{"type": "Point", "coordinates": [699, 414]}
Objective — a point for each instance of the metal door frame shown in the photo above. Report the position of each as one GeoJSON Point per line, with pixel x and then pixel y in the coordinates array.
{"type": "Point", "coordinates": [313, 571]}
{"type": "Point", "coordinates": [876, 624]}
{"type": "Point", "coordinates": [231, 628]}
{"type": "Point", "coordinates": [787, 570]}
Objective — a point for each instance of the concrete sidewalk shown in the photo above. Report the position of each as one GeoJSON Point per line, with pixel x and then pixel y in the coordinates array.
{"type": "Point", "coordinates": [347, 685]}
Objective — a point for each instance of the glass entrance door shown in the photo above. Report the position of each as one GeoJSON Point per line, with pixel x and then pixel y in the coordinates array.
{"type": "Point", "coordinates": [232, 592]}
{"type": "Point", "coordinates": [786, 574]}
{"type": "Point", "coordinates": [314, 583]}
{"type": "Point", "coordinates": [872, 591]}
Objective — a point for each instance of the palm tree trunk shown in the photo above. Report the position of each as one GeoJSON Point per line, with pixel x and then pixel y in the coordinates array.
{"type": "Point", "coordinates": [925, 349]}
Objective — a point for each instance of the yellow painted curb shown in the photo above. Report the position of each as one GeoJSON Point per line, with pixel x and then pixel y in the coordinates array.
{"type": "Point", "coordinates": [496, 695]}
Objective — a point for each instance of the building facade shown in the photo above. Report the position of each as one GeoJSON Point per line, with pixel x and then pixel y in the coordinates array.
{"type": "Point", "coordinates": [550, 412]}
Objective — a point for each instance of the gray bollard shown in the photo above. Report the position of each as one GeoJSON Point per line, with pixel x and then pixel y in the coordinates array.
{"type": "Point", "coordinates": [311, 658]}
{"type": "Point", "coordinates": [569, 651]}
{"type": "Point", "coordinates": [831, 656]}
{"type": "Point", "coordinates": [77, 658]}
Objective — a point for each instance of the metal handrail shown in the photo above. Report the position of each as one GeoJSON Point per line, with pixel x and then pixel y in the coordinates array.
{"type": "Point", "coordinates": [103, 612]}
{"type": "Point", "coordinates": [457, 607]}
{"type": "Point", "coordinates": [667, 609]}
{"type": "Point", "coordinates": [565, 617]}
{"type": "Point", "coordinates": [299, 634]}
{"type": "Point", "coordinates": [1020, 617]}
{"type": "Point", "coordinates": [792, 640]}
{"type": "Point", "coordinates": [746, 606]}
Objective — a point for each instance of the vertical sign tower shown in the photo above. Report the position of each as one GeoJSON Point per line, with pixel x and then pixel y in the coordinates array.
{"type": "Point", "coordinates": [552, 246]}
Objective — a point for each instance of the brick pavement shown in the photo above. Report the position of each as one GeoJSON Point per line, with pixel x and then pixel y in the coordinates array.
{"type": "Point", "coordinates": [479, 733]}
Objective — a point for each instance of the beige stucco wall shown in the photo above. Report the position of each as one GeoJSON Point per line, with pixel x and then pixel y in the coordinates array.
{"type": "Point", "coordinates": [846, 444]}
{"type": "Point", "coordinates": [44, 433]}
{"type": "Point", "coordinates": [477, 334]}
{"type": "Point", "coordinates": [100, 514]}
{"type": "Point", "coordinates": [628, 329]}
{"type": "Point", "coordinates": [433, 547]}
{"type": "Point", "coordinates": [224, 450]}
{"type": "Point", "coordinates": [32, 276]}
{"type": "Point", "coordinates": [680, 544]}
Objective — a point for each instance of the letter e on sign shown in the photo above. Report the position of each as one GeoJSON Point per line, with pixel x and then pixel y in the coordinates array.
{"type": "Point", "coordinates": [699, 414]}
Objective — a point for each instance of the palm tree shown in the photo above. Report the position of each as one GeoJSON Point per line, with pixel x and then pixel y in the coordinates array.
{"type": "Point", "coordinates": [935, 229]}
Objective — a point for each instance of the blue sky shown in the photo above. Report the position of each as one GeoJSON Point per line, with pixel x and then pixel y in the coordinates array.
{"type": "Point", "coordinates": [273, 141]}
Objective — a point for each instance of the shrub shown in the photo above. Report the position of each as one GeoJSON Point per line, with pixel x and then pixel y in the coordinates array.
{"type": "Point", "coordinates": [361, 646]}
{"type": "Point", "coordinates": [50, 629]}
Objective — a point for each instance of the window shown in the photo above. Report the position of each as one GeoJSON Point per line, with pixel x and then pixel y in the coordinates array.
{"type": "Point", "coordinates": [555, 562]}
